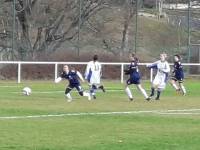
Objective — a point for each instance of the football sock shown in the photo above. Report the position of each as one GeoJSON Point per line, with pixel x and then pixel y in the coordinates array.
{"type": "Point", "coordinates": [143, 91]}
{"type": "Point", "coordinates": [87, 95]}
{"type": "Point", "coordinates": [158, 95]}
{"type": "Point", "coordinates": [128, 92]}
{"type": "Point", "coordinates": [152, 91]}
{"type": "Point", "coordinates": [183, 89]}
{"type": "Point", "coordinates": [92, 91]}
{"type": "Point", "coordinates": [68, 95]}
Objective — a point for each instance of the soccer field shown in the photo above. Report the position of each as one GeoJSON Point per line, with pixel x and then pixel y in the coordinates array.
{"type": "Point", "coordinates": [46, 121]}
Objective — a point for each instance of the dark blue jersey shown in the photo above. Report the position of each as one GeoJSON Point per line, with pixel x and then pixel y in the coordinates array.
{"type": "Point", "coordinates": [72, 77]}
{"type": "Point", "coordinates": [178, 70]}
{"type": "Point", "coordinates": [133, 71]}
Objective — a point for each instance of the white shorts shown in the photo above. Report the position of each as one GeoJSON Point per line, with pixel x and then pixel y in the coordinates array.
{"type": "Point", "coordinates": [160, 81]}
{"type": "Point", "coordinates": [95, 79]}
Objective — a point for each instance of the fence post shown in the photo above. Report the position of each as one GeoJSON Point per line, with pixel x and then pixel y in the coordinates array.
{"type": "Point", "coordinates": [122, 73]}
{"type": "Point", "coordinates": [19, 73]}
{"type": "Point", "coordinates": [56, 70]}
{"type": "Point", "coordinates": [151, 75]}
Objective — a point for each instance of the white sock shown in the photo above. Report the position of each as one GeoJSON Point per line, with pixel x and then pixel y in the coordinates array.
{"type": "Point", "coordinates": [143, 91]}
{"type": "Point", "coordinates": [183, 89]}
{"type": "Point", "coordinates": [128, 92]}
{"type": "Point", "coordinates": [68, 95]}
{"type": "Point", "coordinates": [93, 93]}
{"type": "Point", "coordinates": [175, 86]}
{"type": "Point", "coordinates": [87, 95]}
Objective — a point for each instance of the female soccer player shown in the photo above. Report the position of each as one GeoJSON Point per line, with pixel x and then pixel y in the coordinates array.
{"type": "Point", "coordinates": [161, 77]}
{"type": "Point", "coordinates": [133, 71]}
{"type": "Point", "coordinates": [93, 74]}
{"type": "Point", "coordinates": [178, 75]}
{"type": "Point", "coordinates": [73, 77]}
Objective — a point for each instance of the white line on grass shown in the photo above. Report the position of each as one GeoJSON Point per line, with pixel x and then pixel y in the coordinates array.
{"type": "Point", "coordinates": [52, 92]}
{"type": "Point", "coordinates": [9, 86]}
{"type": "Point", "coordinates": [160, 112]}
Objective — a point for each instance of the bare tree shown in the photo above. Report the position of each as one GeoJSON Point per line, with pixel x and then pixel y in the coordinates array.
{"type": "Point", "coordinates": [44, 25]}
{"type": "Point", "coordinates": [128, 15]}
{"type": "Point", "coordinates": [128, 10]}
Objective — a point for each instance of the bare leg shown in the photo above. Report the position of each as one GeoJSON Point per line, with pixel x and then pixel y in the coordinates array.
{"type": "Point", "coordinates": [173, 83]}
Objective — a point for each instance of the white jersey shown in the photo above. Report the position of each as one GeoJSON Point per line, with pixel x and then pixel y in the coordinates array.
{"type": "Point", "coordinates": [93, 72]}
{"type": "Point", "coordinates": [163, 70]}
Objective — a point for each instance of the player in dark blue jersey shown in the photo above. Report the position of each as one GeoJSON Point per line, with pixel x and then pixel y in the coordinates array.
{"type": "Point", "coordinates": [73, 77]}
{"type": "Point", "coordinates": [178, 75]}
{"type": "Point", "coordinates": [134, 77]}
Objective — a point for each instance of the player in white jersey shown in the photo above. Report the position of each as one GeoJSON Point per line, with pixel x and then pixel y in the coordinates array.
{"type": "Point", "coordinates": [93, 75]}
{"type": "Point", "coordinates": [161, 77]}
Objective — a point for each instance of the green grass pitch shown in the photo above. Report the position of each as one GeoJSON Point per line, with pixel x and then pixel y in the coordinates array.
{"type": "Point", "coordinates": [143, 129]}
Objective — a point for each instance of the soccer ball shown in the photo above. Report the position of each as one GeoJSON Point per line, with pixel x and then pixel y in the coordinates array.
{"type": "Point", "coordinates": [26, 91]}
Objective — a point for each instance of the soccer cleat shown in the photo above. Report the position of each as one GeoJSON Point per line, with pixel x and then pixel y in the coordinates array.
{"type": "Point", "coordinates": [130, 99]}
{"type": "Point", "coordinates": [151, 95]}
{"type": "Point", "coordinates": [94, 97]}
{"type": "Point", "coordinates": [102, 88]}
{"type": "Point", "coordinates": [178, 91]}
{"type": "Point", "coordinates": [148, 98]}
{"type": "Point", "coordinates": [157, 98]}
{"type": "Point", "coordinates": [69, 100]}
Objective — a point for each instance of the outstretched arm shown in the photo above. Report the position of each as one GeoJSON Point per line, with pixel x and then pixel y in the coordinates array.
{"type": "Point", "coordinates": [80, 76]}
{"type": "Point", "coordinates": [57, 80]}
{"type": "Point", "coordinates": [153, 65]}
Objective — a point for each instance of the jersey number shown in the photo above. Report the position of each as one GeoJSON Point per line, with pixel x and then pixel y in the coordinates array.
{"type": "Point", "coordinates": [96, 67]}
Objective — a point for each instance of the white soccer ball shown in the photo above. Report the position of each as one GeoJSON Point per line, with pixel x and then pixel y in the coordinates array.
{"type": "Point", "coordinates": [26, 91]}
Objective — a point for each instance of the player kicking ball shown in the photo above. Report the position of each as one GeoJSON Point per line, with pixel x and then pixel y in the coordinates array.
{"type": "Point", "coordinates": [161, 77]}
{"type": "Point", "coordinates": [93, 75]}
{"type": "Point", "coordinates": [73, 77]}
{"type": "Point", "coordinates": [133, 71]}
{"type": "Point", "coordinates": [178, 75]}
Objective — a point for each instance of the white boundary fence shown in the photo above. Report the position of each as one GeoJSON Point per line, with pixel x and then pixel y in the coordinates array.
{"type": "Point", "coordinates": [20, 63]}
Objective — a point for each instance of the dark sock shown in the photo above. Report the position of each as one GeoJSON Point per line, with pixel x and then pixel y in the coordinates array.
{"type": "Point", "coordinates": [91, 91]}
{"type": "Point", "coordinates": [152, 91]}
{"type": "Point", "coordinates": [102, 88]}
{"type": "Point", "coordinates": [158, 94]}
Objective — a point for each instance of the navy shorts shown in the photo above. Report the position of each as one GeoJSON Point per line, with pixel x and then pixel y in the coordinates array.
{"type": "Point", "coordinates": [77, 86]}
{"type": "Point", "coordinates": [177, 78]}
{"type": "Point", "coordinates": [133, 81]}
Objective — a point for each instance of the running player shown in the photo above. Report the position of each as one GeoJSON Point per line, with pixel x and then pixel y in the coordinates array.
{"type": "Point", "coordinates": [161, 77]}
{"type": "Point", "coordinates": [178, 75]}
{"type": "Point", "coordinates": [73, 77]}
{"type": "Point", "coordinates": [93, 75]}
{"type": "Point", "coordinates": [133, 71]}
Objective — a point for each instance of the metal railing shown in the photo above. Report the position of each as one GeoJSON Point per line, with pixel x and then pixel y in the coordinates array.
{"type": "Point", "coordinates": [20, 63]}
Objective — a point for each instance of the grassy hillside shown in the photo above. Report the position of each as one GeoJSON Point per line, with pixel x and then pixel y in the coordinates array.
{"type": "Point", "coordinates": [154, 35]}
